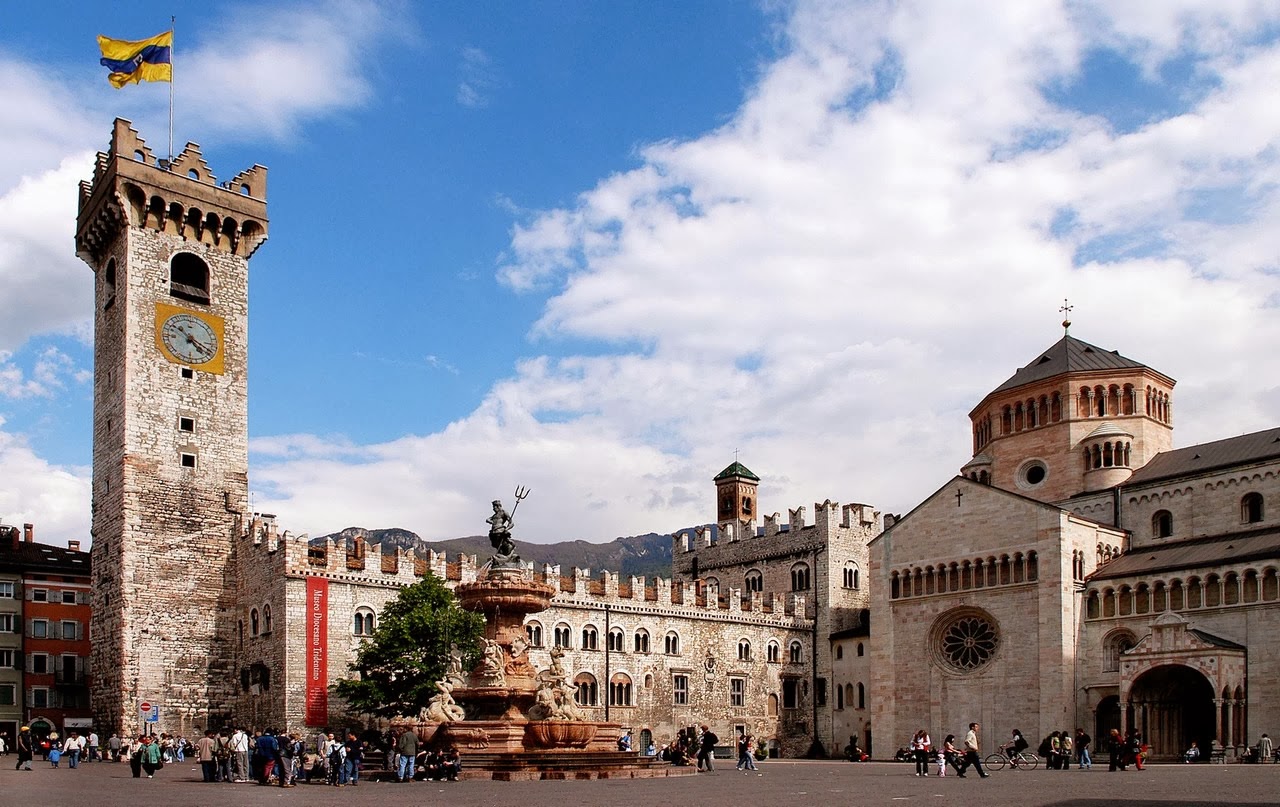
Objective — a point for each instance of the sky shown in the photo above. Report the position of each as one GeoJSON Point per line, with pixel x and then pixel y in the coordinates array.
{"type": "Point", "coordinates": [600, 250]}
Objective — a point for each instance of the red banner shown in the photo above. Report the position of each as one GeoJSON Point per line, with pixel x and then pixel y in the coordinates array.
{"type": "Point", "coordinates": [317, 652]}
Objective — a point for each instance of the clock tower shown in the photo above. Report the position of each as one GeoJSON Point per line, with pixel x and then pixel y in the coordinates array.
{"type": "Point", "coordinates": [169, 248]}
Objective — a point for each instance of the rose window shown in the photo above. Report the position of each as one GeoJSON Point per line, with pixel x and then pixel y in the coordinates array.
{"type": "Point", "coordinates": [968, 642]}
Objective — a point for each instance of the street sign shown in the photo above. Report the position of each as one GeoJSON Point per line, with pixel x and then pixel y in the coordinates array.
{"type": "Point", "coordinates": [149, 712]}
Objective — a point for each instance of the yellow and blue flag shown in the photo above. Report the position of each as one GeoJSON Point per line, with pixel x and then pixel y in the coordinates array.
{"type": "Point", "coordinates": [144, 60]}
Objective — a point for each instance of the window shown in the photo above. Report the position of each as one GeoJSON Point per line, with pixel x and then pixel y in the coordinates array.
{"type": "Point", "coordinates": [253, 622]}
{"type": "Point", "coordinates": [189, 278]}
{"type": "Point", "coordinates": [68, 598]}
{"type": "Point", "coordinates": [6, 623]}
{"type": "Point", "coordinates": [861, 650]}
{"type": "Point", "coordinates": [6, 659]}
{"type": "Point", "coordinates": [1251, 508]}
{"type": "Point", "coordinates": [754, 581]}
{"type": "Point", "coordinates": [620, 690]}
{"type": "Point", "coordinates": [362, 624]}
{"type": "Point", "coordinates": [795, 653]}
{"type": "Point", "coordinates": [590, 640]}
{"type": "Point", "coordinates": [187, 372]}
{"type": "Point", "coordinates": [71, 630]}
{"type": "Point", "coordinates": [533, 633]}
{"type": "Point", "coordinates": [1116, 645]}
{"type": "Point", "coordinates": [186, 424]}
{"type": "Point", "coordinates": [642, 641]}
{"type": "Point", "coordinates": [800, 577]}
{"type": "Point", "coordinates": [790, 693]}
{"type": "Point", "coordinates": [39, 629]}
{"type": "Point", "coordinates": [616, 639]}
{"type": "Point", "coordinates": [188, 460]}
{"type": "Point", "coordinates": [266, 619]}
{"type": "Point", "coordinates": [862, 696]}
{"type": "Point", "coordinates": [737, 692]}
{"type": "Point", "coordinates": [6, 590]}
{"type": "Point", "coordinates": [588, 691]}
{"type": "Point", "coordinates": [839, 652]}
{"type": "Point", "coordinates": [820, 691]}
{"type": "Point", "coordinates": [672, 644]}
{"type": "Point", "coordinates": [68, 670]}
{"type": "Point", "coordinates": [562, 635]}
{"type": "Point", "coordinates": [839, 699]}
{"type": "Point", "coordinates": [39, 663]}
{"type": "Point", "coordinates": [8, 695]}
{"type": "Point", "coordinates": [39, 595]}
{"type": "Point", "coordinates": [680, 690]}
{"type": "Point", "coordinates": [1162, 524]}
{"type": "Point", "coordinates": [744, 650]}
{"type": "Point", "coordinates": [772, 652]}
{"type": "Point", "coordinates": [40, 697]}
{"type": "Point", "coordinates": [852, 575]}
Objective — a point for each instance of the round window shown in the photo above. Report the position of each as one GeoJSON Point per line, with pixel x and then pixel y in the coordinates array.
{"type": "Point", "coordinates": [1032, 474]}
{"type": "Point", "coordinates": [966, 641]}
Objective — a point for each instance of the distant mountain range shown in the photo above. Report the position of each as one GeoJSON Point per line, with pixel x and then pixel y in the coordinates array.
{"type": "Point", "coordinates": [647, 555]}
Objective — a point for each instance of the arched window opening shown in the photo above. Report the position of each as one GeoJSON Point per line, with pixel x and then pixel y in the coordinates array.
{"type": "Point", "coordinates": [253, 622]}
{"type": "Point", "coordinates": [754, 581]}
{"type": "Point", "coordinates": [1092, 606]}
{"type": "Point", "coordinates": [533, 633]}
{"type": "Point", "coordinates": [588, 692]}
{"type": "Point", "coordinates": [615, 640]}
{"type": "Point", "coordinates": [620, 690]}
{"type": "Point", "coordinates": [1231, 589]}
{"type": "Point", "coordinates": [744, 650]}
{"type": "Point", "coordinates": [1162, 524]}
{"type": "Point", "coordinates": [266, 618]}
{"type": "Point", "coordinates": [772, 652]}
{"type": "Point", "coordinates": [1250, 586]}
{"type": "Point", "coordinates": [362, 622]}
{"type": "Point", "coordinates": [1251, 508]}
{"type": "Point", "coordinates": [1195, 593]}
{"type": "Point", "coordinates": [1116, 645]}
{"type": "Point", "coordinates": [1176, 596]}
{"type": "Point", "coordinates": [189, 278]}
{"type": "Point", "coordinates": [562, 634]}
{"type": "Point", "coordinates": [796, 653]}
{"type": "Point", "coordinates": [671, 645]}
{"type": "Point", "coordinates": [861, 649]}
{"type": "Point", "coordinates": [642, 641]}
{"type": "Point", "coordinates": [862, 696]}
{"type": "Point", "coordinates": [800, 577]}
{"type": "Point", "coordinates": [852, 575]}
{"type": "Point", "coordinates": [895, 587]}
{"type": "Point", "coordinates": [840, 698]}
{"type": "Point", "coordinates": [1109, 603]}
{"type": "Point", "coordinates": [590, 638]}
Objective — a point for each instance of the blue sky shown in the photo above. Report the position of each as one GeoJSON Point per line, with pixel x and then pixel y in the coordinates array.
{"type": "Point", "coordinates": [595, 248]}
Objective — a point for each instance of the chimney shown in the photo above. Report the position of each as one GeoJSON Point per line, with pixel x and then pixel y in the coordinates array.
{"type": "Point", "coordinates": [73, 545]}
{"type": "Point", "coordinates": [13, 537]}
{"type": "Point", "coordinates": [28, 532]}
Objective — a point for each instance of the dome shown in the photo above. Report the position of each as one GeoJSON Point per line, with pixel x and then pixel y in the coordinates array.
{"type": "Point", "coordinates": [1108, 430]}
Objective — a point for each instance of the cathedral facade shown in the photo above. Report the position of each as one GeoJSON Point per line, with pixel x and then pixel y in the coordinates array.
{"type": "Point", "coordinates": [1080, 573]}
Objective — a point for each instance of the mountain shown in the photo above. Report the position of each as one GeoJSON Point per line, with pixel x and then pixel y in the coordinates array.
{"type": "Point", "coordinates": [647, 555]}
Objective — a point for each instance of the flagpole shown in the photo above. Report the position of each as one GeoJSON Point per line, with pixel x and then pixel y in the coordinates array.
{"type": "Point", "coordinates": [172, 31]}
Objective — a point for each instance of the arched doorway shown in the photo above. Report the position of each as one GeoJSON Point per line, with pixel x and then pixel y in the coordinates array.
{"type": "Point", "coordinates": [1106, 718]}
{"type": "Point", "coordinates": [1172, 706]}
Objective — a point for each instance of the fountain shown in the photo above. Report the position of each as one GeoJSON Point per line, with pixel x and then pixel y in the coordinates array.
{"type": "Point", "coordinates": [511, 721]}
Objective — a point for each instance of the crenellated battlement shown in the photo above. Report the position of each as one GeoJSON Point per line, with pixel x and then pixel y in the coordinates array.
{"type": "Point", "coordinates": [133, 187]}
{"type": "Point", "coordinates": [829, 517]}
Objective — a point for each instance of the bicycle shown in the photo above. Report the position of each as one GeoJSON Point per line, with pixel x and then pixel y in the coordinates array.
{"type": "Point", "coordinates": [1024, 760]}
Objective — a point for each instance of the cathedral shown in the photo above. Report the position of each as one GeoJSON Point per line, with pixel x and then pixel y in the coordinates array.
{"type": "Point", "coordinates": [1078, 572]}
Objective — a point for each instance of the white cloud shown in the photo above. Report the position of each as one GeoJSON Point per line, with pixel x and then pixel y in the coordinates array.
{"type": "Point", "coordinates": [833, 278]}
{"type": "Point", "coordinates": [49, 496]}
{"type": "Point", "coordinates": [478, 78]}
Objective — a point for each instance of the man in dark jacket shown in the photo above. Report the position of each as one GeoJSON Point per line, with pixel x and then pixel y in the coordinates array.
{"type": "Point", "coordinates": [706, 748]}
{"type": "Point", "coordinates": [407, 748]}
{"type": "Point", "coordinates": [267, 755]}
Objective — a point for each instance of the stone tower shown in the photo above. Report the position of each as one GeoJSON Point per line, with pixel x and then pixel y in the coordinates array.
{"type": "Point", "coordinates": [1077, 419]}
{"type": "Point", "coordinates": [169, 248]}
{"type": "Point", "coordinates": [736, 494]}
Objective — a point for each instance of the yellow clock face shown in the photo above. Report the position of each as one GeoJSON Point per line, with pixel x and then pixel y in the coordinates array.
{"type": "Point", "coordinates": [193, 338]}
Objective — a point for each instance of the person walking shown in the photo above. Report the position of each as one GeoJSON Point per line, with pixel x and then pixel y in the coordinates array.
{"type": "Point", "coordinates": [706, 749]}
{"type": "Point", "coordinates": [1082, 749]}
{"type": "Point", "coordinates": [355, 759]}
{"type": "Point", "coordinates": [240, 756]}
{"type": "Point", "coordinates": [746, 760]}
{"type": "Point", "coordinates": [206, 755]}
{"type": "Point", "coordinates": [1116, 750]}
{"type": "Point", "coordinates": [972, 752]}
{"type": "Point", "coordinates": [23, 744]}
{"type": "Point", "coordinates": [407, 747]}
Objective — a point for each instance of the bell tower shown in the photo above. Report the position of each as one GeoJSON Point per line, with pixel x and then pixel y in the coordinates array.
{"type": "Point", "coordinates": [169, 248]}
{"type": "Point", "coordinates": [736, 494]}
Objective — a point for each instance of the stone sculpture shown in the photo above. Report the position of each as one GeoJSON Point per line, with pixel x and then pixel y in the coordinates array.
{"type": "Point", "coordinates": [500, 524]}
{"type": "Point", "coordinates": [442, 708]}
{"type": "Point", "coordinates": [455, 675]}
{"type": "Point", "coordinates": [493, 666]}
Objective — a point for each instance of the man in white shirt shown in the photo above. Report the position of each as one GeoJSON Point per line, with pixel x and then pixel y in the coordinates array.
{"type": "Point", "coordinates": [239, 756]}
{"type": "Point", "coordinates": [972, 752]}
{"type": "Point", "coordinates": [93, 747]}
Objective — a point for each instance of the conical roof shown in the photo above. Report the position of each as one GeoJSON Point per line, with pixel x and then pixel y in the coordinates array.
{"type": "Point", "coordinates": [1069, 355]}
{"type": "Point", "coordinates": [736, 469]}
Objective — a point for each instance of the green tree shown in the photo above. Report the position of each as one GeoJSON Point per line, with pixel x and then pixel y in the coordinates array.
{"type": "Point", "coordinates": [398, 669]}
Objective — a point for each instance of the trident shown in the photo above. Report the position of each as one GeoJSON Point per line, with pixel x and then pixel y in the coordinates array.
{"type": "Point", "coordinates": [522, 493]}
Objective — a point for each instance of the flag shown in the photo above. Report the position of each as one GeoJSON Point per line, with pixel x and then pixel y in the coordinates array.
{"type": "Point", "coordinates": [144, 60]}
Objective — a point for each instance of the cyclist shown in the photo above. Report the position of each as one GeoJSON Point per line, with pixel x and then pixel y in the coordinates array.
{"type": "Point", "coordinates": [1015, 747]}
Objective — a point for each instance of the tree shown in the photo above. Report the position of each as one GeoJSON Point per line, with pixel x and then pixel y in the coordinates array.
{"type": "Point", "coordinates": [398, 669]}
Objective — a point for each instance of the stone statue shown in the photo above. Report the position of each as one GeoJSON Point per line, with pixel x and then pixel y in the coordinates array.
{"type": "Point", "coordinates": [455, 675]}
{"type": "Point", "coordinates": [492, 667]}
{"type": "Point", "coordinates": [500, 525]}
{"type": "Point", "coordinates": [442, 708]}
{"type": "Point", "coordinates": [554, 699]}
